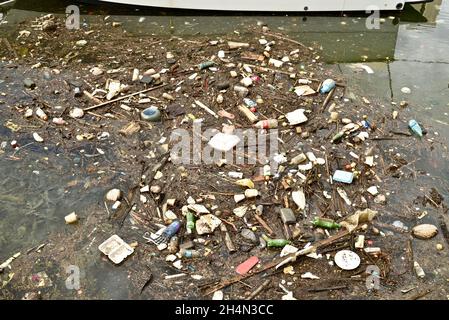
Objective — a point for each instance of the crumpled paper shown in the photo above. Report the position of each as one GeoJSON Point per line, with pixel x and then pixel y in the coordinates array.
{"type": "Point", "coordinates": [360, 216]}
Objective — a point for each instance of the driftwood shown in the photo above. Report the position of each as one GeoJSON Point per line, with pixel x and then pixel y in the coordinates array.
{"type": "Point", "coordinates": [277, 263]}
{"type": "Point", "coordinates": [328, 98]}
{"type": "Point", "coordinates": [122, 98]}
{"type": "Point", "coordinates": [284, 38]}
{"type": "Point", "coordinates": [264, 224]}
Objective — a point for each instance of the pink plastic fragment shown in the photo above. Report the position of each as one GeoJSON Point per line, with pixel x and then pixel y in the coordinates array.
{"type": "Point", "coordinates": [244, 267]}
{"type": "Point", "coordinates": [225, 114]}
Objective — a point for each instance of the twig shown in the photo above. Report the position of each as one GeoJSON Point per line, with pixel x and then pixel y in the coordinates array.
{"type": "Point", "coordinates": [245, 284]}
{"type": "Point", "coordinates": [327, 288]}
{"type": "Point", "coordinates": [222, 193]}
{"type": "Point", "coordinates": [433, 202]}
{"type": "Point", "coordinates": [123, 98]}
{"type": "Point", "coordinates": [204, 107]}
{"type": "Point", "coordinates": [408, 134]}
{"type": "Point", "coordinates": [420, 295]}
{"type": "Point", "coordinates": [264, 224]}
{"type": "Point", "coordinates": [328, 98]}
{"type": "Point", "coordinates": [265, 69]}
{"type": "Point", "coordinates": [258, 290]}
{"type": "Point", "coordinates": [146, 283]}
{"type": "Point", "coordinates": [410, 251]}
{"type": "Point", "coordinates": [383, 138]}
{"type": "Point", "coordinates": [284, 38]}
{"type": "Point", "coordinates": [277, 263]}
{"type": "Point", "coordinates": [310, 249]}
{"type": "Point", "coordinates": [107, 210]}
{"type": "Point", "coordinates": [231, 224]}
{"type": "Point", "coordinates": [36, 248]}
{"type": "Point", "coordinates": [91, 97]}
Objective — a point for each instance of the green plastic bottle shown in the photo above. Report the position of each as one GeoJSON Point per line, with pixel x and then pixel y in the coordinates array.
{"type": "Point", "coordinates": [206, 64]}
{"type": "Point", "coordinates": [190, 222]}
{"type": "Point", "coordinates": [338, 136]}
{"type": "Point", "coordinates": [275, 243]}
{"type": "Point", "coordinates": [325, 223]}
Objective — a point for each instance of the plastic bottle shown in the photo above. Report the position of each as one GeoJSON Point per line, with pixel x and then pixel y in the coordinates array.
{"type": "Point", "coordinates": [206, 64]}
{"type": "Point", "coordinates": [267, 124]}
{"type": "Point", "coordinates": [338, 136]}
{"type": "Point", "coordinates": [190, 253]}
{"type": "Point", "coordinates": [241, 91]}
{"type": "Point", "coordinates": [41, 114]}
{"type": "Point", "coordinates": [325, 223]}
{"type": "Point", "coordinates": [327, 85]}
{"type": "Point", "coordinates": [249, 103]}
{"type": "Point", "coordinates": [415, 127]}
{"type": "Point", "coordinates": [275, 243]}
{"type": "Point", "coordinates": [267, 171]}
{"type": "Point", "coordinates": [172, 229]}
{"type": "Point", "coordinates": [190, 222]}
{"type": "Point", "coordinates": [173, 244]}
{"type": "Point", "coordinates": [255, 78]}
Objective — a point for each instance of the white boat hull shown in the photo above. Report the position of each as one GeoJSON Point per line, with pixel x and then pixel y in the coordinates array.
{"type": "Point", "coordinates": [272, 5]}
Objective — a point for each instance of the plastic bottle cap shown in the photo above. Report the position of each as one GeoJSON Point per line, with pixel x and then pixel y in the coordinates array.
{"type": "Point", "coordinates": [151, 114]}
{"type": "Point", "coordinates": [347, 259]}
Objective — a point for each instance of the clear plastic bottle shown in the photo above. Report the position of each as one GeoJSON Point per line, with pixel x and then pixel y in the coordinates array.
{"type": "Point", "coordinates": [190, 253]}
{"type": "Point", "coordinates": [415, 127]}
{"type": "Point", "coordinates": [327, 85]}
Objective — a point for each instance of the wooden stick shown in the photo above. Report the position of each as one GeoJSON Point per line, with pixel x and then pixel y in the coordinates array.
{"type": "Point", "coordinates": [247, 113]}
{"type": "Point", "coordinates": [420, 295]}
{"type": "Point", "coordinates": [258, 290]}
{"type": "Point", "coordinates": [277, 263]}
{"type": "Point", "coordinates": [106, 207]}
{"type": "Point", "coordinates": [310, 249]}
{"type": "Point", "coordinates": [206, 108]}
{"type": "Point", "coordinates": [231, 224]}
{"type": "Point", "coordinates": [91, 97]}
{"type": "Point", "coordinates": [284, 38]}
{"type": "Point", "coordinates": [264, 224]}
{"type": "Point", "coordinates": [123, 98]}
{"type": "Point", "coordinates": [328, 98]}
{"type": "Point", "coordinates": [327, 288]}
{"type": "Point", "coordinates": [265, 69]}
{"type": "Point", "coordinates": [227, 239]}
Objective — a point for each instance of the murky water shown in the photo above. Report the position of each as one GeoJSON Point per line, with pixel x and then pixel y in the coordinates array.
{"type": "Point", "coordinates": [409, 50]}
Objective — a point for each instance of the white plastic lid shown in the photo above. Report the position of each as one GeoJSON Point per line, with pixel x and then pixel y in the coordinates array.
{"type": "Point", "coordinates": [347, 259]}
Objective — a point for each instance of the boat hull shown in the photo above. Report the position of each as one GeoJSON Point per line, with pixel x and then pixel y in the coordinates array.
{"type": "Point", "coordinates": [272, 5]}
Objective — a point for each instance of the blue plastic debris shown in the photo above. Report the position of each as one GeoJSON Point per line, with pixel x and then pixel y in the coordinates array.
{"type": "Point", "coordinates": [327, 85]}
{"type": "Point", "coordinates": [415, 127]}
{"type": "Point", "coordinates": [343, 176]}
{"type": "Point", "coordinates": [249, 103]}
{"type": "Point", "coordinates": [366, 124]}
{"type": "Point", "coordinates": [169, 232]}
